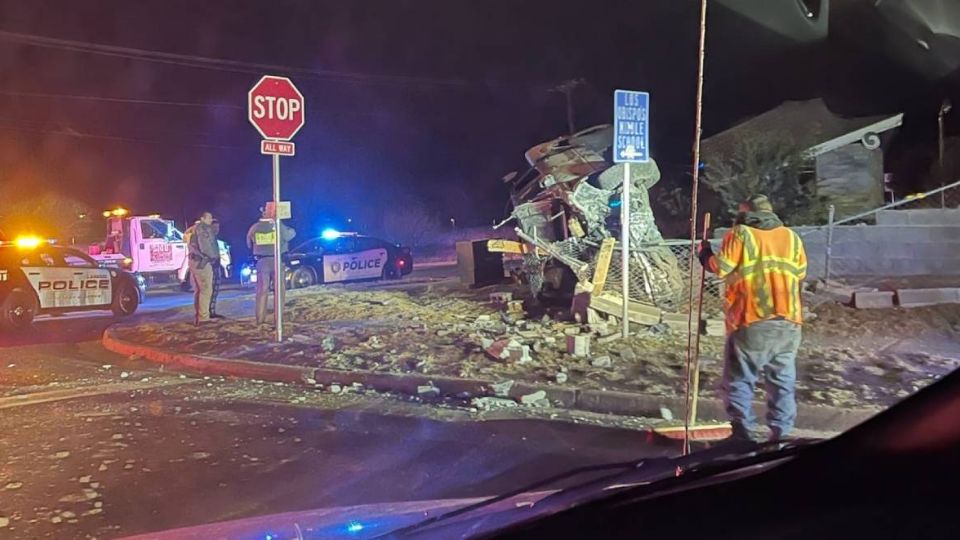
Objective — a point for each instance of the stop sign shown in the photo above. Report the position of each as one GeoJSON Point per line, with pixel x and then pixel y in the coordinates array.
{"type": "Point", "coordinates": [275, 108]}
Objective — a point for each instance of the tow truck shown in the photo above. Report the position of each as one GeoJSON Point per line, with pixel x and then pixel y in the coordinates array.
{"type": "Point", "coordinates": [147, 245]}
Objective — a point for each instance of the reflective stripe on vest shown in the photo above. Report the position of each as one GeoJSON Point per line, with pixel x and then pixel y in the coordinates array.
{"type": "Point", "coordinates": [264, 238]}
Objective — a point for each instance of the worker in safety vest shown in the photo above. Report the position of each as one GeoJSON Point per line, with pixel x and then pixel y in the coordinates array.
{"type": "Point", "coordinates": [762, 263]}
{"type": "Point", "coordinates": [260, 240]}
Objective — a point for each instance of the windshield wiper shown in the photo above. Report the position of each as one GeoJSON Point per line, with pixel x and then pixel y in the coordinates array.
{"type": "Point", "coordinates": [682, 463]}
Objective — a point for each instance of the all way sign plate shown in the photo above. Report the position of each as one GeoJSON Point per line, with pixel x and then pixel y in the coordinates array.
{"type": "Point", "coordinates": [279, 148]}
{"type": "Point", "coordinates": [631, 126]}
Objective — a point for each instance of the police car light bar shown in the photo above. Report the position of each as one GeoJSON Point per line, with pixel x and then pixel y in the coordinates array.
{"type": "Point", "coordinates": [330, 234]}
{"type": "Point", "coordinates": [27, 242]}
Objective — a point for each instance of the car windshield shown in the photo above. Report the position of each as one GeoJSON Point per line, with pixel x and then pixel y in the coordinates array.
{"type": "Point", "coordinates": [452, 250]}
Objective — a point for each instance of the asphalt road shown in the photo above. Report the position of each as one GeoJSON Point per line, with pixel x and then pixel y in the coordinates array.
{"type": "Point", "coordinates": [94, 445]}
{"type": "Point", "coordinates": [79, 327]}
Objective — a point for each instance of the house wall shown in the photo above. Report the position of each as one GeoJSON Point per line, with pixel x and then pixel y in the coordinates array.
{"type": "Point", "coordinates": [882, 250]}
{"type": "Point", "coordinates": [851, 178]}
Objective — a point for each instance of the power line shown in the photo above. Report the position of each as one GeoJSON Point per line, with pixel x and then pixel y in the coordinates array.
{"type": "Point", "coordinates": [222, 64]}
{"type": "Point", "coordinates": [75, 134]}
{"type": "Point", "coordinates": [119, 100]}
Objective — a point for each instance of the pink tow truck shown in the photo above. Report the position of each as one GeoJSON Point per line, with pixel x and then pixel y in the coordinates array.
{"type": "Point", "coordinates": [147, 245]}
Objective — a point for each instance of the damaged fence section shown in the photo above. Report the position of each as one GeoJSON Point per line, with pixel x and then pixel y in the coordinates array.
{"type": "Point", "coordinates": [566, 213]}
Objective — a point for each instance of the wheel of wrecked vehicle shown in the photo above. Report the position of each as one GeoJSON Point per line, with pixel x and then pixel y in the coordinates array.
{"type": "Point", "coordinates": [127, 300]}
{"type": "Point", "coordinates": [390, 272]}
{"type": "Point", "coordinates": [18, 310]}
{"type": "Point", "coordinates": [558, 284]}
{"type": "Point", "coordinates": [302, 277]}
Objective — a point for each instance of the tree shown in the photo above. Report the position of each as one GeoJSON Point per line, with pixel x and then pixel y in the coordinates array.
{"type": "Point", "coordinates": [771, 164]}
{"type": "Point", "coordinates": [50, 214]}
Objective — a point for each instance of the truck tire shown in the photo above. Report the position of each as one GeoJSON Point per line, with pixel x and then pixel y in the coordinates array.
{"type": "Point", "coordinates": [18, 310]}
{"type": "Point", "coordinates": [127, 299]}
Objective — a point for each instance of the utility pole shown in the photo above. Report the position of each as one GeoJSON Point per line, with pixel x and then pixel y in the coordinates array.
{"type": "Point", "coordinates": [566, 88]}
{"type": "Point", "coordinates": [945, 107]}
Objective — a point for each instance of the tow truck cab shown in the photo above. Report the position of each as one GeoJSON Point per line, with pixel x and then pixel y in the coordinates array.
{"type": "Point", "coordinates": [142, 244]}
{"type": "Point", "coordinates": [147, 245]}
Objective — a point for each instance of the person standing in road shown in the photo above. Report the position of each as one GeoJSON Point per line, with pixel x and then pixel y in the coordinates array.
{"type": "Point", "coordinates": [762, 263]}
{"type": "Point", "coordinates": [260, 240]}
{"type": "Point", "coordinates": [217, 271]}
{"type": "Point", "coordinates": [203, 252]}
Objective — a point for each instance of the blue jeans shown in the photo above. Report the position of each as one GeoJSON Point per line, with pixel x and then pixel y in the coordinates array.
{"type": "Point", "coordinates": [768, 348]}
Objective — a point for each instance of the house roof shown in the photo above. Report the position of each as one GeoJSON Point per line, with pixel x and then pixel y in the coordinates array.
{"type": "Point", "coordinates": [809, 122]}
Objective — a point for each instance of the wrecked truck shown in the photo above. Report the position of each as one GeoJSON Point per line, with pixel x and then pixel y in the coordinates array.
{"type": "Point", "coordinates": [565, 208]}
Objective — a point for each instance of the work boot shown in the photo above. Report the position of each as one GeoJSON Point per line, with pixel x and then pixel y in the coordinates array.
{"type": "Point", "coordinates": [776, 435]}
{"type": "Point", "coordinates": [216, 316]}
{"type": "Point", "coordinates": [742, 433]}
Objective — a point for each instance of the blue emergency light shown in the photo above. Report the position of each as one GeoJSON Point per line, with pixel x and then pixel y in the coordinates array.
{"type": "Point", "coordinates": [330, 234]}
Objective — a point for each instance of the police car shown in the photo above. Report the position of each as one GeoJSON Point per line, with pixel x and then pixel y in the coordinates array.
{"type": "Point", "coordinates": [337, 257]}
{"type": "Point", "coordinates": [39, 277]}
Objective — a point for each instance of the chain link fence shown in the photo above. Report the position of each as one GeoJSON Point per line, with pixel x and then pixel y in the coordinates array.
{"type": "Point", "coordinates": [660, 277]}
{"type": "Point", "coordinates": [659, 274]}
{"type": "Point", "coordinates": [909, 238]}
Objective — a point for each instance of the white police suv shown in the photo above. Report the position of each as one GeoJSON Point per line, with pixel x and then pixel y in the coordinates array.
{"type": "Point", "coordinates": [39, 277]}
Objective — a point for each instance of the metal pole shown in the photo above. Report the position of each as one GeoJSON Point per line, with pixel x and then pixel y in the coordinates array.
{"type": "Point", "coordinates": [695, 384]}
{"type": "Point", "coordinates": [625, 248]}
{"type": "Point", "coordinates": [694, 192]}
{"type": "Point", "coordinates": [278, 277]}
{"type": "Point", "coordinates": [943, 197]}
{"type": "Point", "coordinates": [826, 271]}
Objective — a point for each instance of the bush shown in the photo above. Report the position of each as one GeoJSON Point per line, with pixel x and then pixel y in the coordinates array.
{"type": "Point", "coordinates": [773, 165]}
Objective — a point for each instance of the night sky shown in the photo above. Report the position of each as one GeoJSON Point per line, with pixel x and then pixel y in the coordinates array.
{"type": "Point", "coordinates": [408, 102]}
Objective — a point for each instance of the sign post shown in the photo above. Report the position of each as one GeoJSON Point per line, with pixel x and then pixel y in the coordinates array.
{"type": "Point", "coordinates": [631, 144]}
{"type": "Point", "coordinates": [276, 109]}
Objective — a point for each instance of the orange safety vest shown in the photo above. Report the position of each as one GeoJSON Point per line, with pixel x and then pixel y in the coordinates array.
{"type": "Point", "coordinates": [762, 271]}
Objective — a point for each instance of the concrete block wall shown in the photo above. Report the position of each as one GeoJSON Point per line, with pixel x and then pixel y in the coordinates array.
{"type": "Point", "coordinates": [882, 250]}
{"type": "Point", "coordinates": [926, 216]}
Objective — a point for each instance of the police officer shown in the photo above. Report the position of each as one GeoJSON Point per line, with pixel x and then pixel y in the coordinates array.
{"type": "Point", "coordinates": [260, 240]}
{"type": "Point", "coordinates": [217, 272]}
{"type": "Point", "coordinates": [203, 251]}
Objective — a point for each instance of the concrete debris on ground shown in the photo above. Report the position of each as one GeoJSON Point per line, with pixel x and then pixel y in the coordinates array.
{"type": "Point", "coordinates": [873, 300]}
{"type": "Point", "coordinates": [535, 399]}
{"type": "Point", "coordinates": [428, 391]}
{"type": "Point", "coordinates": [578, 345]}
{"type": "Point", "coordinates": [602, 362]}
{"type": "Point", "coordinates": [502, 389]}
{"type": "Point", "coordinates": [491, 403]}
{"type": "Point", "coordinates": [447, 331]}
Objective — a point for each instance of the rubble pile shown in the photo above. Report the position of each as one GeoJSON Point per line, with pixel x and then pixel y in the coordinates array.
{"type": "Point", "coordinates": [563, 210]}
{"type": "Point", "coordinates": [848, 357]}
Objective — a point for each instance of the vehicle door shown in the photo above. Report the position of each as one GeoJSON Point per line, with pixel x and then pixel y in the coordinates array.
{"type": "Point", "coordinates": [360, 258]}
{"type": "Point", "coordinates": [160, 247]}
{"type": "Point", "coordinates": [66, 282]}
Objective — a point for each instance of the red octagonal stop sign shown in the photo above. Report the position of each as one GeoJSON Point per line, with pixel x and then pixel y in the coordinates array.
{"type": "Point", "coordinates": [275, 108]}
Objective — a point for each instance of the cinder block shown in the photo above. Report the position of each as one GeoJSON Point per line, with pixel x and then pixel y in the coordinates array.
{"type": "Point", "coordinates": [927, 297]}
{"type": "Point", "coordinates": [873, 300]}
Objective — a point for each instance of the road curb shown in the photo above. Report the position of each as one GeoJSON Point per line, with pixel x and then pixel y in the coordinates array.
{"type": "Point", "coordinates": [815, 417]}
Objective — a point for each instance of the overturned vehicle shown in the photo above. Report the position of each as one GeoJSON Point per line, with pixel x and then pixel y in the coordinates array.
{"type": "Point", "coordinates": [566, 211]}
